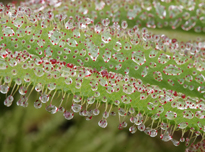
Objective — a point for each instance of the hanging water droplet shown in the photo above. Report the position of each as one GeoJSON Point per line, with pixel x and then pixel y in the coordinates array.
{"type": "Point", "coordinates": [51, 86]}
{"type": "Point", "coordinates": [133, 129]}
{"type": "Point", "coordinates": [4, 89]}
{"type": "Point", "coordinates": [141, 127]}
{"type": "Point", "coordinates": [182, 125]}
{"type": "Point", "coordinates": [8, 101]}
{"type": "Point", "coordinates": [103, 123]}
{"type": "Point", "coordinates": [37, 104]}
{"type": "Point", "coordinates": [96, 112]}
{"type": "Point", "coordinates": [22, 90]}
{"type": "Point", "coordinates": [68, 115]}
{"type": "Point", "coordinates": [44, 98]}
{"type": "Point", "coordinates": [166, 136]}
{"type": "Point", "coordinates": [76, 107]}
{"type": "Point", "coordinates": [153, 133]}
{"type": "Point", "coordinates": [22, 101]}
{"type": "Point", "coordinates": [77, 98]}
{"type": "Point", "coordinates": [91, 100]}
{"type": "Point", "coordinates": [52, 109]}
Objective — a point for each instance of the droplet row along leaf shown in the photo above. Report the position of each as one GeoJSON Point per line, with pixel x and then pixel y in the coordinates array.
{"type": "Point", "coordinates": [77, 60]}
{"type": "Point", "coordinates": [153, 14]}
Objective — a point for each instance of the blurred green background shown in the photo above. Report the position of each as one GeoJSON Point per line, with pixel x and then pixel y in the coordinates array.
{"type": "Point", "coordinates": [36, 130]}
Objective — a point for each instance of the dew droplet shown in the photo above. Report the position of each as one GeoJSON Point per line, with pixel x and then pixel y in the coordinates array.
{"type": "Point", "coordinates": [54, 36]}
{"type": "Point", "coordinates": [163, 58]}
{"type": "Point", "coordinates": [106, 37]}
{"type": "Point", "coordinates": [8, 31]}
{"type": "Point", "coordinates": [138, 57]}
{"type": "Point", "coordinates": [72, 42]}
{"type": "Point", "coordinates": [157, 76]}
{"type": "Point", "coordinates": [126, 99]}
{"type": "Point", "coordinates": [160, 109]}
{"type": "Point", "coordinates": [172, 70]}
{"type": "Point", "coordinates": [145, 71]}
{"type": "Point", "coordinates": [171, 82]}
{"type": "Point", "coordinates": [18, 22]}
{"type": "Point", "coordinates": [52, 109]}
{"type": "Point", "coordinates": [153, 53]}
{"type": "Point", "coordinates": [103, 123]}
{"type": "Point", "coordinates": [182, 125]}
{"type": "Point", "coordinates": [188, 114]}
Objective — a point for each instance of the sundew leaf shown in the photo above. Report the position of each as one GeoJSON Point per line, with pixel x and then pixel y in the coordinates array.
{"type": "Point", "coordinates": [73, 55]}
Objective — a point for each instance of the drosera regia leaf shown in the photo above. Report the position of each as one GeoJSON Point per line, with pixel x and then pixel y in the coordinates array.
{"type": "Point", "coordinates": [109, 62]}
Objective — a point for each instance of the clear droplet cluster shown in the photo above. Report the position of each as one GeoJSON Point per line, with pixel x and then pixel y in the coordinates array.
{"type": "Point", "coordinates": [93, 64]}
